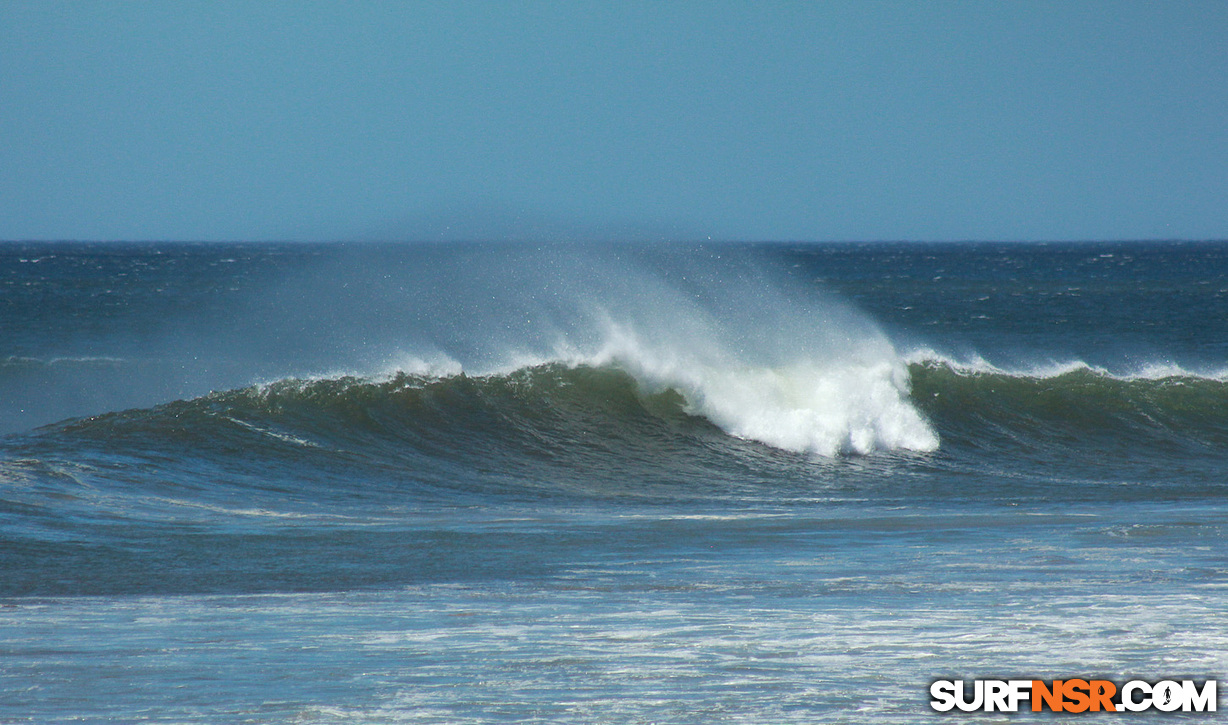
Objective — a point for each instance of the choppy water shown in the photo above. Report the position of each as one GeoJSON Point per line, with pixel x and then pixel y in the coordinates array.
{"type": "Point", "coordinates": [492, 483]}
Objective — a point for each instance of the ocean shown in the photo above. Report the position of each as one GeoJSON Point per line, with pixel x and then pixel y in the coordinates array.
{"type": "Point", "coordinates": [604, 483]}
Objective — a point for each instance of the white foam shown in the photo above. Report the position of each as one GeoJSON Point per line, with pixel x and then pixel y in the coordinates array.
{"type": "Point", "coordinates": [826, 405]}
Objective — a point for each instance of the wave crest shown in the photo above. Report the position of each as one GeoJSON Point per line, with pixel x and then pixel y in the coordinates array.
{"type": "Point", "coordinates": [827, 406]}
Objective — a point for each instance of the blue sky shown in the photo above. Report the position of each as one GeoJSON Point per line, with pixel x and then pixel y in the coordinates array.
{"type": "Point", "coordinates": [655, 120]}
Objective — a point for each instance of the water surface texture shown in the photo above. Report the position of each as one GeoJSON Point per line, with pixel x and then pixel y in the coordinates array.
{"type": "Point", "coordinates": [479, 483]}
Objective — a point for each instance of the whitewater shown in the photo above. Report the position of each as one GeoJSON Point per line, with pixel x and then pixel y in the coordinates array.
{"type": "Point", "coordinates": [603, 483]}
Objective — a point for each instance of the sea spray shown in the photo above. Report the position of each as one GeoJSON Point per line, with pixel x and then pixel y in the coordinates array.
{"type": "Point", "coordinates": [763, 356]}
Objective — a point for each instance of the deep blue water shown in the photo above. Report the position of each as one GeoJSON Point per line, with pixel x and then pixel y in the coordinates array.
{"type": "Point", "coordinates": [671, 484]}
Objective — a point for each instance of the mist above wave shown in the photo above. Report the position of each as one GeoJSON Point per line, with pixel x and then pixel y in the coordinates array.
{"type": "Point", "coordinates": [760, 354]}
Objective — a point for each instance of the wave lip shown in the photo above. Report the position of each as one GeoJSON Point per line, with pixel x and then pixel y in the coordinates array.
{"type": "Point", "coordinates": [977, 365]}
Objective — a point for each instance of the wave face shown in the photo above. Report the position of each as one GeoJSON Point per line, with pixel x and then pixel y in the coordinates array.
{"type": "Point", "coordinates": [1075, 408]}
{"type": "Point", "coordinates": [582, 426]}
{"type": "Point", "coordinates": [553, 429]}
